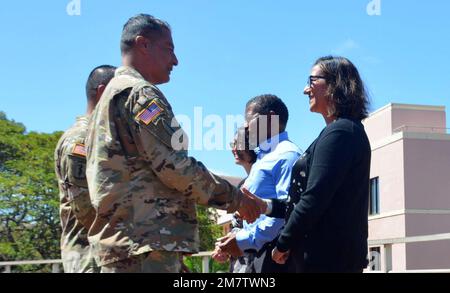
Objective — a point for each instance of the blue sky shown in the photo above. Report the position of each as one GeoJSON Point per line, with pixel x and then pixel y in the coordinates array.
{"type": "Point", "coordinates": [228, 51]}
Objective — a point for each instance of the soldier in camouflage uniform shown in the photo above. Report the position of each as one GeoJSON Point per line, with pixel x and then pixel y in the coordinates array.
{"type": "Point", "coordinates": [76, 211]}
{"type": "Point", "coordinates": [142, 182]}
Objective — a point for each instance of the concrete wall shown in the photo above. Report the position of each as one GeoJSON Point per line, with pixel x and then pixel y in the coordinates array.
{"type": "Point", "coordinates": [387, 164]}
{"type": "Point", "coordinates": [418, 120]}
{"type": "Point", "coordinates": [413, 167]}
{"type": "Point", "coordinates": [428, 255]}
{"type": "Point", "coordinates": [427, 224]}
{"type": "Point", "coordinates": [399, 257]}
{"type": "Point", "coordinates": [379, 125]}
{"type": "Point", "coordinates": [427, 174]}
{"type": "Point", "coordinates": [387, 227]}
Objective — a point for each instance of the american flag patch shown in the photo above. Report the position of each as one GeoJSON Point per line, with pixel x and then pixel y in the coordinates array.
{"type": "Point", "coordinates": [150, 113]}
{"type": "Point", "coordinates": [79, 149]}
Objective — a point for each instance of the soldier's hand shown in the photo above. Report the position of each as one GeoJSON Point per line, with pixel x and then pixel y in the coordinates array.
{"type": "Point", "coordinates": [251, 206]}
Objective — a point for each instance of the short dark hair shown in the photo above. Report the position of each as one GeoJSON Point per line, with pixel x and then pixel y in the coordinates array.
{"type": "Point", "coordinates": [346, 91]}
{"type": "Point", "coordinates": [141, 25]}
{"type": "Point", "coordinates": [98, 76]}
{"type": "Point", "coordinates": [263, 104]}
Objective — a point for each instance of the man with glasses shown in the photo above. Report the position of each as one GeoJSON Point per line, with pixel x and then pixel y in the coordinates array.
{"type": "Point", "coordinates": [266, 120]}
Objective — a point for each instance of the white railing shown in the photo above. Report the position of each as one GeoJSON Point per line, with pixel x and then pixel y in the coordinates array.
{"type": "Point", "coordinates": [206, 255]}
{"type": "Point", "coordinates": [6, 267]}
{"type": "Point", "coordinates": [387, 247]}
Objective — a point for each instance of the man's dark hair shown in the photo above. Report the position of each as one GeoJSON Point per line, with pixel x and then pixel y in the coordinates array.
{"type": "Point", "coordinates": [98, 76]}
{"type": "Point", "coordinates": [263, 104]}
{"type": "Point", "coordinates": [141, 25]}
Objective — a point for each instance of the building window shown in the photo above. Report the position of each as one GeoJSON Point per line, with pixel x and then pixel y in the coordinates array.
{"type": "Point", "coordinates": [374, 259]}
{"type": "Point", "coordinates": [374, 199]}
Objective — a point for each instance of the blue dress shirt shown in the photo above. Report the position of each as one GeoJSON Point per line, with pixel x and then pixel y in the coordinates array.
{"type": "Point", "coordinates": [269, 178]}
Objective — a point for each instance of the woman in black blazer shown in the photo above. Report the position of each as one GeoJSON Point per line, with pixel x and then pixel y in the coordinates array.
{"type": "Point", "coordinates": [327, 211]}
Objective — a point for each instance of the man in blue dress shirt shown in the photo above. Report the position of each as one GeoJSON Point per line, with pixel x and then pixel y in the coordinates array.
{"type": "Point", "coordinates": [266, 119]}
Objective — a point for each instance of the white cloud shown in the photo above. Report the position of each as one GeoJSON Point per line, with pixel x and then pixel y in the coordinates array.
{"type": "Point", "coordinates": [349, 45]}
{"type": "Point", "coordinates": [346, 46]}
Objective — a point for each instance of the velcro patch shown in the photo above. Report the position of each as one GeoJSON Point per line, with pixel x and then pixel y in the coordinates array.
{"type": "Point", "coordinates": [79, 149]}
{"type": "Point", "coordinates": [150, 113]}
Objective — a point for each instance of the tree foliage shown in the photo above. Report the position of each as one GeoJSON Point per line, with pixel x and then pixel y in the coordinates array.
{"type": "Point", "coordinates": [209, 232]}
{"type": "Point", "coordinates": [29, 201]}
{"type": "Point", "coordinates": [29, 205]}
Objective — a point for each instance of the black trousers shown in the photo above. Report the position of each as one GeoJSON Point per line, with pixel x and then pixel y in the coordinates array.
{"type": "Point", "coordinates": [298, 265]}
{"type": "Point", "coordinates": [259, 262]}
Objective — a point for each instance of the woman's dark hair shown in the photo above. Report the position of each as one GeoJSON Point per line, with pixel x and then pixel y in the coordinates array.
{"type": "Point", "coordinates": [346, 91]}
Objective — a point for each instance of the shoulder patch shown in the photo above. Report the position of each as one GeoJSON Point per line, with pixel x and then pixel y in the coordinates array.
{"type": "Point", "coordinates": [150, 113]}
{"type": "Point", "coordinates": [79, 150]}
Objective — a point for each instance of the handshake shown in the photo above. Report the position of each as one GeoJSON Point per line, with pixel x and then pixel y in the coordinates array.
{"type": "Point", "coordinates": [251, 206]}
{"type": "Point", "coordinates": [250, 209]}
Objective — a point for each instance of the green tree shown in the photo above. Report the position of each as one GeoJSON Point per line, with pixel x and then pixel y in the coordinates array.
{"type": "Point", "coordinates": [209, 232]}
{"type": "Point", "coordinates": [29, 204]}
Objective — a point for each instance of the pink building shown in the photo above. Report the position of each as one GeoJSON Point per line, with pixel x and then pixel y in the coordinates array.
{"type": "Point", "coordinates": [410, 187]}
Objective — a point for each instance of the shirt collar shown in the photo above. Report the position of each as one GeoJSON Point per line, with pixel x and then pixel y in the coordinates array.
{"type": "Point", "coordinates": [83, 118]}
{"type": "Point", "coordinates": [269, 145]}
{"type": "Point", "coordinates": [127, 70]}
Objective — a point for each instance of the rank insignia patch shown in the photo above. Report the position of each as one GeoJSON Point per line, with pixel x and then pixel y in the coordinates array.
{"type": "Point", "coordinates": [150, 113]}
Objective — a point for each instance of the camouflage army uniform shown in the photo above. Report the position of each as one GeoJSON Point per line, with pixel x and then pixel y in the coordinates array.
{"type": "Point", "coordinates": [144, 190]}
{"type": "Point", "coordinates": [76, 211]}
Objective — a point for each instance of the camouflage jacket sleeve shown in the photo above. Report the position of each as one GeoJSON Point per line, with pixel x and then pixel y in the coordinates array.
{"type": "Point", "coordinates": [161, 143]}
{"type": "Point", "coordinates": [77, 189]}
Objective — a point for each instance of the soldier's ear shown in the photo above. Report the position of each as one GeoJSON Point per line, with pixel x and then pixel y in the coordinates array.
{"type": "Point", "coordinates": [141, 43]}
{"type": "Point", "coordinates": [100, 90]}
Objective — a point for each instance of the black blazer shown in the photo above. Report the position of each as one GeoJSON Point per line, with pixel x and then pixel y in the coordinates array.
{"type": "Point", "coordinates": [328, 225]}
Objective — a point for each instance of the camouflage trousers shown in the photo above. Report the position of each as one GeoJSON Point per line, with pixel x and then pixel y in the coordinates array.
{"type": "Point", "coordinates": [79, 260]}
{"type": "Point", "coordinates": [157, 261]}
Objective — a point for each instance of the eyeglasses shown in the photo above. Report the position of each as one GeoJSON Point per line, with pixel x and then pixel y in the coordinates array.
{"type": "Point", "coordinates": [313, 78]}
{"type": "Point", "coordinates": [240, 141]}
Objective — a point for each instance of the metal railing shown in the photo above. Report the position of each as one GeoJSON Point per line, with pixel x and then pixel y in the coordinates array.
{"type": "Point", "coordinates": [387, 247]}
{"type": "Point", "coordinates": [206, 256]}
{"type": "Point", "coordinates": [7, 265]}
{"type": "Point", "coordinates": [57, 263]}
